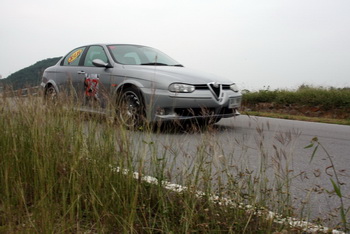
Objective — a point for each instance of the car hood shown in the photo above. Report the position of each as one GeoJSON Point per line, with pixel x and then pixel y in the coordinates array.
{"type": "Point", "coordinates": [170, 74]}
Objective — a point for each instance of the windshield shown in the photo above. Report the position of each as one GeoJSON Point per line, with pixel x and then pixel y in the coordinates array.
{"type": "Point", "coordinates": [140, 55]}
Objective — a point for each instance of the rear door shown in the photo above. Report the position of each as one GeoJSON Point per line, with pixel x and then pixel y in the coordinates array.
{"type": "Point", "coordinates": [70, 73]}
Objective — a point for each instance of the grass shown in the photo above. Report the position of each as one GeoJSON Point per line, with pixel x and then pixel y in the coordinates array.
{"type": "Point", "coordinates": [299, 104]}
{"type": "Point", "coordinates": [328, 98]}
{"type": "Point", "coordinates": [57, 174]}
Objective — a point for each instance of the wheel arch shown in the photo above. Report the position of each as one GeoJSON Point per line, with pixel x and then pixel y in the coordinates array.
{"type": "Point", "coordinates": [50, 84]}
{"type": "Point", "coordinates": [124, 86]}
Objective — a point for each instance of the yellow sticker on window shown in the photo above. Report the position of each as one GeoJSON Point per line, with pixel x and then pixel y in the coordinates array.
{"type": "Point", "coordinates": [75, 55]}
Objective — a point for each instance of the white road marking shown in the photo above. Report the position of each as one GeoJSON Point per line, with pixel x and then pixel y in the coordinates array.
{"type": "Point", "coordinates": [304, 225]}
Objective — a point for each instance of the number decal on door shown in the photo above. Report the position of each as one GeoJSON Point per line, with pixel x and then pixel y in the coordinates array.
{"type": "Point", "coordinates": [91, 85]}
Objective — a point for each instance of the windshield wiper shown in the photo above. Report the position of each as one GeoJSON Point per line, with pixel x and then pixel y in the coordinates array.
{"type": "Point", "coordinates": [178, 65]}
{"type": "Point", "coordinates": [155, 64]}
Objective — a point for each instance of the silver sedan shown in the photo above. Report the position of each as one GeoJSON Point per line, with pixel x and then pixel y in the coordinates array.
{"type": "Point", "coordinates": [141, 83]}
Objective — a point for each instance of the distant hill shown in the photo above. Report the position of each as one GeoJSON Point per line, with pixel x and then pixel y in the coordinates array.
{"type": "Point", "coordinates": [29, 76]}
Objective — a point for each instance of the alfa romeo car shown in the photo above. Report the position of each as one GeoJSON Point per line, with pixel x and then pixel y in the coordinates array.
{"type": "Point", "coordinates": [141, 84]}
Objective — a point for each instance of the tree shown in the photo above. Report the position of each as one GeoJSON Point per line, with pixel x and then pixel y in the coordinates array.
{"type": "Point", "coordinates": [29, 76]}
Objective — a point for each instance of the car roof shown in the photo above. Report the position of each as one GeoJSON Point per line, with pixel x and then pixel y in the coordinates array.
{"type": "Point", "coordinates": [107, 44]}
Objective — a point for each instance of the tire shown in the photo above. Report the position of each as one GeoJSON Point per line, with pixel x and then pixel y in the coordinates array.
{"type": "Point", "coordinates": [130, 108]}
{"type": "Point", "coordinates": [50, 94]}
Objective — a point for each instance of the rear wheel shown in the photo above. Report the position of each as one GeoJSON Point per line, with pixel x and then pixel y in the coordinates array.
{"type": "Point", "coordinates": [131, 108]}
{"type": "Point", "coordinates": [50, 94]}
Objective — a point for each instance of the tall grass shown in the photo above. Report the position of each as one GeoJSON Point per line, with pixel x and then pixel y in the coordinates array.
{"type": "Point", "coordinates": [57, 174]}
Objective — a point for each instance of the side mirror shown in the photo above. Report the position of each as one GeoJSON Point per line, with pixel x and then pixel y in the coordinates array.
{"type": "Point", "coordinates": [100, 63]}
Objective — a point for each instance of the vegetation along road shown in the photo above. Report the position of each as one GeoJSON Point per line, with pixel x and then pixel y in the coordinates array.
{"type": "Point", "coordinates": [258, 161]}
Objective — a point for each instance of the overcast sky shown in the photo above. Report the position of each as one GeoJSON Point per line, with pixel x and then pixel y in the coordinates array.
{"type": "Point", "coordinates": [276, 43]}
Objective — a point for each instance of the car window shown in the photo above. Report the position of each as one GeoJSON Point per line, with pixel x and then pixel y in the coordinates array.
{"type": "Point", "coordinates": [73, 58]}
{"type": "Point", "coordinates": [95, 52]}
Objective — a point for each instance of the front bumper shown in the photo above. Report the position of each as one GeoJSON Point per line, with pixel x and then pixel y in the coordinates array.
{"type": "Point", "coordinates": [175, 116]}
{"type": "Point", "coordinates": [166, 106]}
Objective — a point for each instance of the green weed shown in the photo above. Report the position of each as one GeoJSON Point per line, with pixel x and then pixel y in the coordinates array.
{"type": "Point", "coordinates": [327, 98]}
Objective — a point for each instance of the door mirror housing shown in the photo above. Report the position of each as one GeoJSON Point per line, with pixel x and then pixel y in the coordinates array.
{"type": "Point", "coordinates": [100, 63]}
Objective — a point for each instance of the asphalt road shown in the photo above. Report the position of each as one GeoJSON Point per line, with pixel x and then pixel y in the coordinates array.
{"type": "Point", "coordinates": [243, 144]}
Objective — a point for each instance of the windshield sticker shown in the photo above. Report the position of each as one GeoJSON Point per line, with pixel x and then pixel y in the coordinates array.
{"type": "Point", "coordinates": [75, 55]}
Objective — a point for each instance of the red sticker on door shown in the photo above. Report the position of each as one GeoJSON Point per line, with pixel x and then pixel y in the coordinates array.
{"type": "Point", "coordinates": [91, 84]}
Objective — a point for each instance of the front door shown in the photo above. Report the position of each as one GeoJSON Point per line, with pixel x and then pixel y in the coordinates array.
{"type": "Point", "coordinates": [96, 82]}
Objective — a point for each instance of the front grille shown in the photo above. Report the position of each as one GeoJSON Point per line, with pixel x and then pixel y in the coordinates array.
{"type": "Point", "coordinates": [201, 87]}
{"type": "Point", "coordinates": [205, 87]}
{"type": "Point", "coordinates": [202, 112]}
{"type": "Point", "coordinates": [194, 111]}
{"type": "Point", "coordinates": [216, 89]}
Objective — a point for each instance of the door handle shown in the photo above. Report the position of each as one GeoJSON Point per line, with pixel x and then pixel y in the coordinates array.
{"type": "Point", "coordinates": [81, 72]}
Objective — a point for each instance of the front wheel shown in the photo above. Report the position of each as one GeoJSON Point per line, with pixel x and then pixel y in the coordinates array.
{"type": "Point", "coordinates": [130, 108]}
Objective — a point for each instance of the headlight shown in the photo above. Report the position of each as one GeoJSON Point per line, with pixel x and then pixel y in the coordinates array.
{"type": "Point", "coordinates": [181, 88]}
{"type": "Point", "coordinates": [234, 88]}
